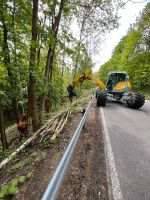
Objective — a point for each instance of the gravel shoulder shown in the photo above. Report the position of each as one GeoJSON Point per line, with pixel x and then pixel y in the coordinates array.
{"type": "Point", "coordinates": [87, 178]}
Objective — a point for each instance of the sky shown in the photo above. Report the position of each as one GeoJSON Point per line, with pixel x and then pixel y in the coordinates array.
{"type": "Point", "coordinates": [127, 16]}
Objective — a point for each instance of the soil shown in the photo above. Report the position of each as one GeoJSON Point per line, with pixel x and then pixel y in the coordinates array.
{"type": "Point", "coordinates": [86, 177]}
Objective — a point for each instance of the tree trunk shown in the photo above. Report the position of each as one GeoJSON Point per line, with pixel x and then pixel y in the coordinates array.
{"type": "Point", "coordinates": [46, 79]}
{"type": "Point", "coordinates": [2, 130]}
{"type": "Point", "coordinates": [32, 65]}
{"type": "Point", "coordinates": [79, 48]}
{"type": "Point", "coordinates": [15, 108]}
{"type": "Point", "coordinates": [7, 64]}
{"type": "Point", "coordinates": [51, 53]}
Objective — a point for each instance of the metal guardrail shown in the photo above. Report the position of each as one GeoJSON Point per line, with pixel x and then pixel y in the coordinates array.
{"type": "Point", "coordinates": [55, 183]}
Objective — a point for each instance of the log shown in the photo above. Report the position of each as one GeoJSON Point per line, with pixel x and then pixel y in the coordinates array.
{"type": "Point", "coordinates": [4, 162]}
{"type": "Point", "coordinates": [61, 127]}
{"type": "Point", "coordinates": [9, 158]}
{"type": "Point", "coordinates": [47, 127]}
{"type": "Point", "coordinates": [52, 129]}
{"type": "Point", "coordinates": [61, 121]}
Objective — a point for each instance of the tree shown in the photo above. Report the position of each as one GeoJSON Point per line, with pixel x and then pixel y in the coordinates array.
{"type": "Point", "coordinates": [52, 46]}
{"type": "Point", "coordinates": [132, 53]}
{"type": "Point", "coordinates": [95, 18]}
{"type": "Point", "coordinates": [32, 69]}
{"type": "Point", "coordinates": [39, 52]}
{"type": "Point", "coordinates": [3, 83]}
{"type": "Point", "coordinates": [7, 61]}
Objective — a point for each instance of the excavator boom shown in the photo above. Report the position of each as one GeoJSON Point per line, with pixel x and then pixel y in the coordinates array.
{"type": "Point", "coordinates": [79, 78]}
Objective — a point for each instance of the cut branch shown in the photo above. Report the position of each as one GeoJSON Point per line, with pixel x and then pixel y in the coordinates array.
{"type": "Point", "coordinates": [48, 124]}
{"type": "Point", "coordinates": [61, 125]}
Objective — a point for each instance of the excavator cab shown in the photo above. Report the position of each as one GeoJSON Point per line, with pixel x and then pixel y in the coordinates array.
{"type": "Point", "coordinates": [118, 83]}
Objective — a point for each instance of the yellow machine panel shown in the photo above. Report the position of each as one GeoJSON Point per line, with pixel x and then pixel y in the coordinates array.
{"type": "Point", "coordinates": [122, 85]}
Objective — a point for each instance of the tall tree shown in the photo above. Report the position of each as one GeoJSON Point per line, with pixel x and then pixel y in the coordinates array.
{"type": "Point", "coordinates": [96, 18]}
{"type": "Point", "coordinates": [52, 46]}
{"type": "Point", "coordinates": [132, 53]}
{"type": "Point", "coordinates": [32, 68]}
{"type": "Point", "coordinates": [7, 61]}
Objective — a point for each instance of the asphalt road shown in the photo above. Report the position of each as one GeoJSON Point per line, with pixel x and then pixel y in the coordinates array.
{"type": "Point", "coordinates": [129, 133]}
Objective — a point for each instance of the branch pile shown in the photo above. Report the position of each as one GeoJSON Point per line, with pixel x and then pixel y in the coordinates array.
{"type": "Point", "coordinates": [52, 128]}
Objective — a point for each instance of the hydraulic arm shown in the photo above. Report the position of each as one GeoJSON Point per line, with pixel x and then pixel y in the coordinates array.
{"type": "Point", "coordinates": [79, 78]}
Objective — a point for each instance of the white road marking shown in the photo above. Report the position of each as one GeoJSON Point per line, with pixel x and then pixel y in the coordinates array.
{"type": "Point", "coordinates": [147, 101]}
{"type": "Point", "coordinates": [117, 195]}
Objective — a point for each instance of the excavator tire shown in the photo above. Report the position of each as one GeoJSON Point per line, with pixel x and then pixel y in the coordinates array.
{"type": "Point", "coordinates": [136, 100]}
{"type": "Point", "coordinates": [101, 97]}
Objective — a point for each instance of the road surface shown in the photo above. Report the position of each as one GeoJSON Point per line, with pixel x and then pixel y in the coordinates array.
{"type": "Point", "coordinates": [129, 133]}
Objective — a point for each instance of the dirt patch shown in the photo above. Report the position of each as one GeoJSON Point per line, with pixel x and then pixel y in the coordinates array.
{"type": "Point", "coordinates": [86, 175]}
{"type": "Point", "coordinates": [86, 178]}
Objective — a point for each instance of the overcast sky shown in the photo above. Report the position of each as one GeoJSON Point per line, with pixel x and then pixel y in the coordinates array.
{"type": "Point", "coordinates": [128, 16]}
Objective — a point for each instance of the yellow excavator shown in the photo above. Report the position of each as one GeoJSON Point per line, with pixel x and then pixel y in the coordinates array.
{"type": "Point", "coordinates": [117, 88]}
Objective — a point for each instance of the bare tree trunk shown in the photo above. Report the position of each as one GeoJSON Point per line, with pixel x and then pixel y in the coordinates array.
{"type": "Point", "coordinates": [2, 130]}
{"type": "Point", "coordinates": [32, 65]}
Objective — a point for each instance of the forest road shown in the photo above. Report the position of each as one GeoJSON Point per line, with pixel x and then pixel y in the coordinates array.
{"type": "Point", "coordinates": [128, 136]}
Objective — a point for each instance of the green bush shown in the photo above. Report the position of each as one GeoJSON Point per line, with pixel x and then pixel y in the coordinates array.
{"type": "Point", "coordinates": [13, 187]}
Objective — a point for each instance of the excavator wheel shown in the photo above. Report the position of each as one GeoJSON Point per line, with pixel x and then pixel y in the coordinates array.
{"type": "Point", "coordinates": [136, 100]}
{"type": "Point", "coordinates": [101, 97]}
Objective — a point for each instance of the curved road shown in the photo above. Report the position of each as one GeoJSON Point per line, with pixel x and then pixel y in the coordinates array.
{"type": "Point", "coordinates": [129, 134]}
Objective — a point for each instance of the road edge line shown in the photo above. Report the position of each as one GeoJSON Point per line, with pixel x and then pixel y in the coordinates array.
{"type": "Point", "coordinates": [147, 101]}
{"type": "Point", "coordinates": [110, 162]}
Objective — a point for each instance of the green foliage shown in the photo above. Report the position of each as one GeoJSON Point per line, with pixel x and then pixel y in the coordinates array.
{"type": "Point", "coordinates": [4, 153]}
{"type": "Point", "coordinates": [47, 143]}
{"type": "Point", "coordinates": [29, 160]}
{"type": "Point", "coordinates": [20, 164]}
{"type": "Point", "coordinates": [21, 179]}
{"type": "Point", "coordinates": [34, 154]}
{"type": "Point", "coordinates": [29, 175]}
{"type": "Point", "coordinates": [43, 154]}
{"type": "Point", "coordinates": [56, 89]}
{"type": "Point", "coordinates": [16, 17]}
{"type": "Point", "coordinates": [13, 187]}
{"type": "Point", "coordinates": [132, 54]}
{"type": "Point", "coordinates": [58, 138]}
